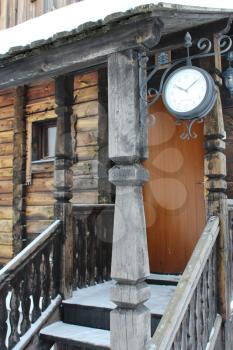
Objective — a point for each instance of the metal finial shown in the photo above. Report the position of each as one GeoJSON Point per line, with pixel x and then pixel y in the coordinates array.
{"type": "Point", "coordinates": [187, 40]}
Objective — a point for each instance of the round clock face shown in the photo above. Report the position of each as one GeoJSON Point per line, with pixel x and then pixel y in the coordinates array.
{"type": "Point", "coordinates": [189, 92]}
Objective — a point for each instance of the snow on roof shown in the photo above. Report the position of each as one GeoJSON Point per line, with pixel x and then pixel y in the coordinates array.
{"type": "Point", "coordinates": [72, 16]}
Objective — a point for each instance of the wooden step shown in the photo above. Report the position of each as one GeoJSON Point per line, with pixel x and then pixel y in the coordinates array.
{"type": "Point", "coordinates": [163, 279]}
{"type": "Point", "coordinates": [91, 307]}
{"type": "Point", "coordinates": [76, 336]}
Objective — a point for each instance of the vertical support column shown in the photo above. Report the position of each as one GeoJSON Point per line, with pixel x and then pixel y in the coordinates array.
{"type": "Point", "coordinates": [215, 170]}
{"type": "Point", "coordinates": [63, 177]}
{"type": "Point", "coordinates": [130, 321]}
{"type": "Point", "coordinates": [19, 171]}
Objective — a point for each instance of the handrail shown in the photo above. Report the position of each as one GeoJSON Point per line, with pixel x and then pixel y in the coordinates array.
{"type": "Point", "coordinates": [20, 258]}
{"type": "Point", "coordinates": [174, 314]}
{"type": "Point", "coordinates": [29, 289]}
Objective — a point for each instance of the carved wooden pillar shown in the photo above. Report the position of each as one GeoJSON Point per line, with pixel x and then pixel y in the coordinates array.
{"type": "Point", "coordinates": [130, 321]}
{"type": "Point", "coordinates": [215, 170]}
{"type": "Point", "coordinates": [19, 168]}
{"type": "Point", "coordinates": [63, 177]}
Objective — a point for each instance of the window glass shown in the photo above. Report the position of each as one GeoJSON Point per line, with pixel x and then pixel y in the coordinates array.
{"type": "Point", "coordinates": [51, 141]}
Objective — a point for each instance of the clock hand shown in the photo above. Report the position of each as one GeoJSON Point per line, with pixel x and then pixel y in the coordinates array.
{"type": "Point", "coordinates": [192, 84]}
{"type": "Point", "coordinates": [180, 88]}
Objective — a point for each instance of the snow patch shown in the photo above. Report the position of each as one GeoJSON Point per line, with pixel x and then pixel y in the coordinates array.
{"type": "Point", "coordinates": [71, 16]}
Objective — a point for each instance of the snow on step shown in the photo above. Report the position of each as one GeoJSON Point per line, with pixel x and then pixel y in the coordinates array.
{"type": "Point", "coordinates": [99, 296]}
{"type": "Point", "coordinates": [165, 278]}
{"type": "Point", "coordinates": [77, 335]}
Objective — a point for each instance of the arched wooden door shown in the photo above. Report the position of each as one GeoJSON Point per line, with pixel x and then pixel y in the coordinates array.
{"type": "Point", "coordinates": [174, 195]}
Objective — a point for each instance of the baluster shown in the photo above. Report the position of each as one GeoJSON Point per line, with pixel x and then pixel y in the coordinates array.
{"type": "Point", "coordinates": [55, 267]}
{"type": "Point", "coordinates": [198, 318]}
{"type": "Point", "coordinates": [204, 296]}
{"type": "Point", "coordinates": [184, 333]}
{"type": "Point", "coordinates": [14, 312]}
{"type": "Point", "coordinates": [25, 299]}
{"type": "Point", "coordinates": [214, 268]}
{"type": "Point", "coordinates": [46, 278]}
{"type": "Point", "coordinates": [210, 294]}
{"type": "Point", "coordinates": [177, 341]}
{"type": "Point", "coordinates": [3, 318]}
{"type": "Point", "coordinates": [36, 290]}
{"type": "Point", "coordinates": [191, 324]}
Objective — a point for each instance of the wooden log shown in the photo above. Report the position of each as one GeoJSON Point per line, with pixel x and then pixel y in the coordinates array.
{"type": "Point", "coordinates": [40, 212]}
{"type": "Point", "coordinates": [6, 124]}
{"type": "Point", "coordinates": [42, 167]}
{"type": "Point", "coordinates": [85, 197]}
{"type": "Point", "coordinates": [41, 185]}
{"type": "Point", "coordinates": [6, 137]}
{"type": "Point", "coordinates": [7, 112]}
{"type": "Point", "coordinates": [6, 213]}
{"type": "Point", "coordinates": [6, 199]}
{"type": "Point", "coordinates": [87, 94]}
{"type": "Point", "coordinates": [87, 152]}
{"type": "Point", "coordinates": [6, 174]}
{"type": "Point", "coordinates": [41, 198]}
{"type": "Point", "coordinates": [41, 90]}
{"type": "Point", "coordinates": [36, 227]}
{"type": "Point", "coordinates": [86, 167]}
{"type": "Point", "coordinates": [215, 169]}
{"type": "Point", "coordinates": [6, 162]}
{"type": "Point", "coordinates": [86, 109]}
{"type": "Point", "coordinates": [85, 80]}
{"type": "Point", "coordinates": [63, 178]}
{"type": "Point", "coordinates": [6, 186]}
{"type": "Point", "coordinates": [6, 226]}
{"type": "Point", "coordinates": [42, 105]}
{"type": "Point", "coordinates": [87, 124]}
{"type": "Point", "coordinates": [6, 149]}
{"type": "Point", "coordinates": [19, 167]}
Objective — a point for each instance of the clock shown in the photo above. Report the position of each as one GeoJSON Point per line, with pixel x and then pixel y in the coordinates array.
{"type": "Point", "coordinates": [189, 93]}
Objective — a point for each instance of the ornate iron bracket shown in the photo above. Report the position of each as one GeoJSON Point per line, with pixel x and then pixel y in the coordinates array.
{"type": "Point", "coordinates": [151, 95]}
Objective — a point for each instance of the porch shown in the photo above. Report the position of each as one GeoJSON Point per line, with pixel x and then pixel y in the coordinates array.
{"type": "Point", "coordinates": [84, 245]}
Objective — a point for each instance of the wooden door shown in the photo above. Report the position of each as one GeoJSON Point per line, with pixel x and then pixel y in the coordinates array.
{"type": "Point", "coordinates": [174, 195]}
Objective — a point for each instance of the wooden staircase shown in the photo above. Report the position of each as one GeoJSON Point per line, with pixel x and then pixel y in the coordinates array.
{"type": "Point", "coordinates": [86, 316]}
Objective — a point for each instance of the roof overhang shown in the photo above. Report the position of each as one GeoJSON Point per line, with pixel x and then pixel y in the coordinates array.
{"type": "Point", "coordinates": [91, 43]}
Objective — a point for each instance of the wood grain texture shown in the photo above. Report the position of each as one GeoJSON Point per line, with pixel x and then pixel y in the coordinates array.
{"type": "Point", "coordinates": [174, 195]}
{"type": "Point", "coordinates": [7, 99]}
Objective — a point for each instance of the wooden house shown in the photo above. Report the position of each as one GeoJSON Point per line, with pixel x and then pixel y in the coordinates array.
{"type": "Point", "coordinates": [115, 215]}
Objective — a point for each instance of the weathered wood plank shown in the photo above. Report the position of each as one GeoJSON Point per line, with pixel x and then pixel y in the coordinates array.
{"type": "Point", "coordinates": [6, 174]}
{"type": "Point", "coordinates": [37, 226]}
{"type": "Point", "coordinates": [6, 112]}
{"type": "Point", "coordinates": [6, 124]}
{"type": "Point", "coordinates": [40, 198]}
{"type": "Point", "coordinates": [6, 137]}
{"type": "Point", "coordinates": [6, 226]}
{"type": "Point", "coordinates": [85, 80]}
{"type": "Point", "coordinates": [86, 109]}
{"type": "Point", "coordinates": [42, 167]}
{"type": "Point", "coordinates": [6, 199]}
{"type": "Point", "coordinates": [5, 162]}
{"type": "Point", "coordinates": [6, 149]}
{"type": "Point", "coordinates": [41, 185]}
{"type": "Point", "coordinates": [41, 90]}
{"type": "Point", "coordinates": [45, 104]}
{"type": "Point", "coordinates": [85, 197]}
{"type": "Point", "coordinates": [86, 167]}
{"type": "Point", "coordinates": [6, 213]}
{"type": "Point", "coordinates": [87, 124]}
{"type": "Point", "coordinates": [87, 94]}
{"type": "Point", "coordinates": [86, 153]}
{"type": "Point", "coordinates": [79, 54]}
{"type": "Point", "coordinates": [85, 183]}
{"type": "Point", "coordinates": [40, 212]}
{"type": "Point", "coordinates": [6, 187]}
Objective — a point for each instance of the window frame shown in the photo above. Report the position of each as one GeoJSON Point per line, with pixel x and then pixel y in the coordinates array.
{"type": "Point", "coordinates": [30, 121]}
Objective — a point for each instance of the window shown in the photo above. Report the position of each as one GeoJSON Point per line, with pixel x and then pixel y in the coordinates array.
{"type": "Point", "coordinates": [43, 140]}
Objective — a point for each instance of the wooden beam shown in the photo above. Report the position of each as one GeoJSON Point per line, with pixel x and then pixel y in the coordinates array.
{"type": "Point", "coordinates": [63, 178]}
{"type": "Point", "coordinates": [19, 173]}
{"type": "Point", "coordinates": [130, 264]}
{"type": "Point", "coordinates": [78, 55]}
{"type": "Point", "coordinates": [176, 39]}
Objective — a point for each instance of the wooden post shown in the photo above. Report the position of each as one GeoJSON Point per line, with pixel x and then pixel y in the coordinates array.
{"type": "Point", "coordinates": [19, 171]}
{"type": "Point", "coordinates": [215, 170]}
{"type": "Point", "coordinates": [63, 177]}
{"type": "Point", "coordinates": [130, 321]}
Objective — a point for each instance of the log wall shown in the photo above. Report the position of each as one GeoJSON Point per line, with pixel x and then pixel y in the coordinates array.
{"type": "Point", "coordinates": [6, 174]}
{"type": "Point", "coordinates": [13, 12]}
{"type": "Point", "coordinates": [88, 121]}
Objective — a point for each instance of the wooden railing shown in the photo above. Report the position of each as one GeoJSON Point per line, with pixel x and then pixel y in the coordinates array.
{"type": "Point", "coordinates": [29, 287]}
{"type": "Point", "coordinates": [93, 225]}
{"type": "Point", "coordinates": [191, 320]}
